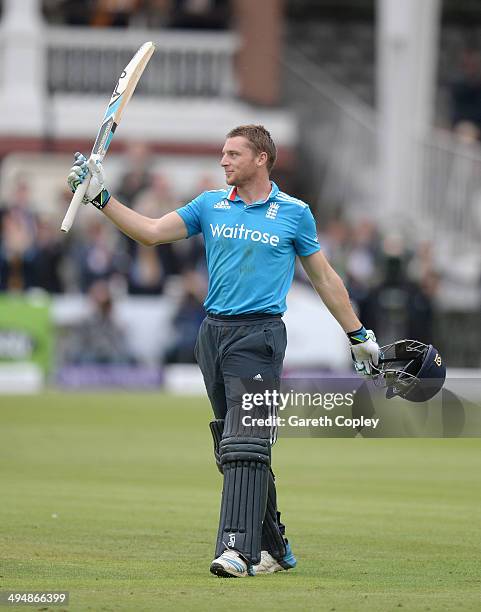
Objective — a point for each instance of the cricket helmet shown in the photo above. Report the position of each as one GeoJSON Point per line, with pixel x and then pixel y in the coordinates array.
{"type": "Point", "coordinates": [409, 369]}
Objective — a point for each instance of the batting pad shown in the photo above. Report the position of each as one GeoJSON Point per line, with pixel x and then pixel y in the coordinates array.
{"type": "Point", "coordinates": [272, 529]}
{"type": "Point", "coordinates": [217, 429]}
{"type": "Point", "coordinates": [245, 463]}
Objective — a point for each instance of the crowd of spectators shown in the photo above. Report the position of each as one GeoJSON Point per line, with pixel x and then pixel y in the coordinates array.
{"type": "Point", "coordinates": [192, 14]}
{"type": "Point", "coordinates": [394, 285]}
{"type": "Point", "coordinates": [34, 254]}
{"type": "Point", "coordinates": [99, 262]}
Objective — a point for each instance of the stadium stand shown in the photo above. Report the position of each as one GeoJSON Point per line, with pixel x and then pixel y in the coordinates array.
{"type": "Point", "coordinates": [324, 123]}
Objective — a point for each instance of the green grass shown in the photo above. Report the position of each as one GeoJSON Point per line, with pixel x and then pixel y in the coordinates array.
{"type": "Point", "coordinates": [115, 498]}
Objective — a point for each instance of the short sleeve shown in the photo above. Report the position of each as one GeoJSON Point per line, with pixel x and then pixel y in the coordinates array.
{"type": "Point", "coordinates": [306, 241]}
{"type": "Point", "coordinates": [191, 213]}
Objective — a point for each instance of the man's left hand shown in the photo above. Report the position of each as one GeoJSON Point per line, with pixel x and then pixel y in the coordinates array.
{"type": "Point", "coordinates": [364, 350]}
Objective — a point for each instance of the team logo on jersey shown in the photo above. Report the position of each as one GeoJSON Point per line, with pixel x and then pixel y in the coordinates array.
{"type": "Point", "coordinates": [225, 205]}
{"type": "Point", "coordinates": [272, 211]}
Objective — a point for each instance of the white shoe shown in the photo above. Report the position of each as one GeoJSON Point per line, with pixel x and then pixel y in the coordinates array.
{"type": "Point", "coordinates": [229, 565]}
{"type": "Point", "coordinates": [269, 565]}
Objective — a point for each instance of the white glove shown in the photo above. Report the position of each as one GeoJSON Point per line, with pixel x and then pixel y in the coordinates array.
{"type": "Point", "coordinates": [364, 350]}
{"type": "Point", "coordinates": [96, 192]}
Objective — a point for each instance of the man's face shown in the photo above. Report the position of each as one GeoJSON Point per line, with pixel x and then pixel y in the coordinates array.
{"type": "Point", "coordinates": [239, 161]}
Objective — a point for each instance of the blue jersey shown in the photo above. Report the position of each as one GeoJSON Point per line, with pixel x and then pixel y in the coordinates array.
{"type": "Point", "coordinates": [250, 248]}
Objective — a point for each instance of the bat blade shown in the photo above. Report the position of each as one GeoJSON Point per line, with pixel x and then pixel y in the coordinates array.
{"type": "Point", "coordinates": [121, 95]}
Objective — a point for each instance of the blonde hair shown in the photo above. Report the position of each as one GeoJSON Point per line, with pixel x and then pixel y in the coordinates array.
{"type": "Point", "coordinates": [260, 141]}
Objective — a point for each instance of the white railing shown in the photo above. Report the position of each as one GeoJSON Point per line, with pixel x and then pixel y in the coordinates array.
{"type": "Point", "coordinates": [339, 134]}
{"type": "Point", "coordinates": [39, 63]}
{"type": "Point", "coordinates": [449, 198]}
{"type": "Point", "coordinates": [193, 64]}
{"type": "Point", "coordinates": [340, 142]}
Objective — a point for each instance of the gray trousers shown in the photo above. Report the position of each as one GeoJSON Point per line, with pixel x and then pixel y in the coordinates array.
{"type": "Point", "coordinates": [238, 356]}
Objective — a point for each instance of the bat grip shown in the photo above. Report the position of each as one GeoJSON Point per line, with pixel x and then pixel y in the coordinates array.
{"type": "Point", "coordinates": [74, 204]}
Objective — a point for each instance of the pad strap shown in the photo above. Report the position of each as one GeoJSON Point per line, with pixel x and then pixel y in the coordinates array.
{"type": "Point", "coordinates": [216, 429]}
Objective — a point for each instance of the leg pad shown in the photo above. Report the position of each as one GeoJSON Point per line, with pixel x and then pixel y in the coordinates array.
{"type": "Point", "coordinates": [272, 529]}
{"type": "Point", "coordinates": [245, 463]}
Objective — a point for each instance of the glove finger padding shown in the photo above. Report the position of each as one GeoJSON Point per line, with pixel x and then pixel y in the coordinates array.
{"type": "Point", "coordinates": [96, 169]}
{"type": "Point", "coordinates": [82, 168]}
{"type": "Point", "coordinates": [76, 177]}
{"type": "Point", "coordinates": [78, 172]}
{"type": "Point", "coordinates": [373, 347]}
{"type": "Point", "coordinates": [366, 368]}
{"type": "Point", "coordinates": [367, 351]}
{"type": "Point", "coordinates": [363, 368]}
{"type": "Point", "coordinates": [91, 171]}
{"type": "Point", "coordinates": [364, 350]}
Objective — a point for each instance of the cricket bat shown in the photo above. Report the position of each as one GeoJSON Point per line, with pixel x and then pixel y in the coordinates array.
{"type": "Point", "coordinates": [122, 93]}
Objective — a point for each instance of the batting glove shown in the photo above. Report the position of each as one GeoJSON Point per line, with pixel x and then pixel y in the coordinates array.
{"type": "Point", "coordinates": [96, 192]}
{"type": "Point", "coordinates": [364, 350]}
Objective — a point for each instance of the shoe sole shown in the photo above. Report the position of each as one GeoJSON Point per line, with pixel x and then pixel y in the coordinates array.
{"type": "Point", "coordinates": [219, 570]}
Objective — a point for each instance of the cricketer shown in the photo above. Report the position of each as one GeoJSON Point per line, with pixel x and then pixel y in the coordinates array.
{"type": "Point", "coordinates": [252, 232]}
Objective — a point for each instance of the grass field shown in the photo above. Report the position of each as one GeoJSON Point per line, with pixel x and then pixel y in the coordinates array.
{"type": "Point", "coordinates": [115, 499]}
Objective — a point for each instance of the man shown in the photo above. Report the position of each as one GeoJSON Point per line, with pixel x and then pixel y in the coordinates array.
{"type": "Point", "coordinates": [252, 232]}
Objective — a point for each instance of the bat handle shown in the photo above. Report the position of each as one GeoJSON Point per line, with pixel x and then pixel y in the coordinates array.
{"type": "Point", "coordinates": [74, 205]}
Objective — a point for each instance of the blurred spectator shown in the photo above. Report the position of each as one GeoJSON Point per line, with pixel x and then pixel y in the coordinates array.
{"type": "Point", "coordinates": [362, 261]}
{"type": "Point", "coordinates": [113, 13]}
{"type": "Point", "coordinates": [363, 251]}
{"type": "Point", "coordinates": [422, 263]}
{"type": "Point", "coordinates": [191, 252]}
{"type": "Point", "coordinates": [149, 266]}
{"type": "Point", "coordinates": [152, 14]}
{"type": "Point", "coordinates": [399, 307]}
{"type": "Point", "coordinates": [98, 255]}
{"type": "Point", "coordinates": [188, 318]}
{"type": "Point", "coordinates": [200, 14]}
{"type": "Point", "coordinates": [206, 182]}
{"type": "Point", "coordinates": [99, 339]}
{"type": "Point", "coordinates": [47, 265]}
{"type": "Point", "coordinates": [421, 308]}
{"type": "Point", "coordinates": [144, 275]}
{"type": "Point", "coordinates": [466, 132]}
{"type": "Point", "coordinates": [334, 241]}
{"type": "Point", "coordinates": [146, 272]}
{"type": "Point", "coordinates": [466, 92]}
{"type": "Point", "coordinates": [69, 244]}
{"type": "Point", "coordinates": [385, 308]}
{"type": "Point", "coordinates": [138, 175]}
{"type": "Point", "coordinates": [69, 12]}
{"type": "Point", "coordinates": [157, 199]}
{"type": "Point", "coordinates": [18, 233]}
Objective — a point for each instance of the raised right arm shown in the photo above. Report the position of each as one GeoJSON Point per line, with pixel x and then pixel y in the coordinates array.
{"type": "Point", "coordinates": [148, 232]}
